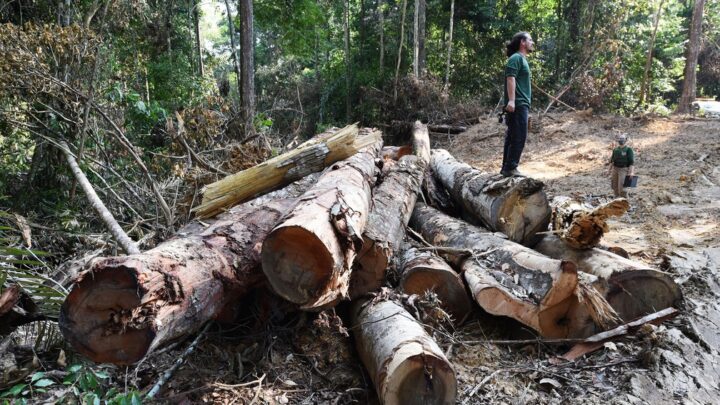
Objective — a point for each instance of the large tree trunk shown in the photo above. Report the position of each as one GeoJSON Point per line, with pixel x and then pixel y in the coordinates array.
{"type": "Point", "coordinates": [392, 204]}
{"type": "Point", "coordinates": [405, 364]}
{"type": "Point", "coordinates": [580, 225]}
{"type": "Point", "coordinates": [400, 49]}
{"type": "Point", "coordinates": [691, 56]}
{"type": "Point", "coordinates": [422, 271]}
{"type": "Point", "coordinates": [198, 39]}
{"type": "Point", "coordinates": [632, 288]}
{"type": "Point", "coordinates": [307, 258]}
{"type": "Point", "coordinates": [509, 279]}
{"type": "Point", "coordinates": [449, 46]}
{"type": "Point", "coordinates": [122, 308]}
{"type": "Point", "coordinates": [233, 49]}
{"type": "Point", "coordinates": [515, 206]}
{"type": "Point", "coordinates": [381, 24]}
{"type": "Point", "coordinates": [649, 58]}
{"type": "Point", "coordinates": [312, 156]}
{"type": "Point", "coordinates": [247, 64]}
{"type": "Point", "coordinates": [348, 71]}
{"type": "Point", "coordinates": [419, 39]}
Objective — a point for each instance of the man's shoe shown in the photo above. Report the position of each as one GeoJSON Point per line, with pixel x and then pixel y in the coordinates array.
{"type": "Point", "coordinates": [515, 173]}
{"type": "Point", "coordinates": [506, 173]}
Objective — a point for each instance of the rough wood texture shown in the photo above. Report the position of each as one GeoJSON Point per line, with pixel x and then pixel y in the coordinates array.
{"type": "Point", "coordinates": [504, 277]}
{"type": "Point", "coordinates": [425, 271]}
{"type": "Point", "coordinates": [309, 157]}
{"type": "Point", "coordinates": [581, 225]}
{"type": "Point", "coordinates": [515, 206]}
{"type": "Point", "coordinates": [392, 204]}
{"type": "Point", "coordinates": [405, 364]}
{"type": "Point", "coordinates": [16, 308]}
{"type": "Point", "coordinates": [307, 258]}
{"type": "Point", "coordinates": [632, 288]}
{"type": "Point", "coordinates": [124, 307]}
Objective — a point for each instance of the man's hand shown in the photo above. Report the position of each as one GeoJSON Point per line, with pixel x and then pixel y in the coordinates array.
{"type": "Point", "coordinates": [511, 106]}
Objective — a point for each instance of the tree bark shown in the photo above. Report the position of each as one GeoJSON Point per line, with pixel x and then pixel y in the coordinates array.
{"type": "Point", "coordinates": [307, 258]}
{"type": "Point", "coordinates": [508, 279]}
{"type": "Point", "coordinates": [392, 204]}
{"type": "Point", "coordinates": [422, 271]}
{"type": "Point", "coordinates": [400, 48]}
{"type": "Point", "coordinates": [691, 56]}
{"type": "Point", "coordinates": [404, 363]}
{"type": "Point", "coordinates": [580, 225]}
{"type": "Point", "coordinates": [648, 60]}
{"type": "Point", "coordinates": [247, 64]}
{"type": "Point", "coordinates": [633, 289]}
{"type": "Point", "coordinates": [449, 46]}
{"type": "Point", "coordinates": [419, 39]}
{"type": "Point", "coordinates": [515, 206]}
{"type": "Point", "coordinates": [123, 308]}
{"type": "Point", "coordinates": [198, 40]}
{"type": "Point", "coordinates": [115, 229]}
{"type": "Point", "coordinates": [309, 157]}
{"type": "Point", "coordinates": [348, 70]}
{"type": "Point", "coordinates": [233, 49]}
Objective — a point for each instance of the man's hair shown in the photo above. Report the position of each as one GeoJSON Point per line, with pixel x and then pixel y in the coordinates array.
{"type": "Point", "coordinates": [514, 43]}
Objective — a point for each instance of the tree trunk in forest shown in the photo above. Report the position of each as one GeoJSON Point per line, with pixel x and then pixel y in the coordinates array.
{"type": "Point", "coordinates": [422, 271]}
{"type": "Point", "coordinates": [392, 204]}
{"type": "Point", "coordinates": [580, 225]}
{"type": "Point", "coordinates": [404, 362]}
{"type": "Point", "coordinates": [400, 48]}
{"type": "Point", "coordinates": [632, 288]}
{"type": "Point", "coordinates": [115, 229]}
{"type": "Point", "coordinates": [691, 57]}
{"type": "Point", "coordinates": [515, 206]}
{"type": "Point", "coordinates": [233, 49]}
{"type": "Point", "coordinates": [449, 46]}
{"type": "Point", "coordinates": [509, 279]}
{"type": "Point", "coordinates": [419, 38]}
{"type": "Point", "coordinates": [648, 60]}
{"type": "Point", "coordinates": [122, 308]}
{"type": "Point", "coordinates": [309, 157]}
{"type": "Point", "coordinates": [307, 258]}
{"type": "Point", "coordinates": [247, 64]}
{"type": "Point", "coordinates": [198, 40]}
{"type": "Point", "coordinates": [348, 71]}
{"type": "Point", "coordinates": [381, 13]}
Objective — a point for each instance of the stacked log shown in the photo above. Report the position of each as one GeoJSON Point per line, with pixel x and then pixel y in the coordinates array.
{"type": "Point", "coordinates": [515, 206]}
{"type": "Point", "coordinates": [307, 258]}
{"type": "Point", "coordinates": [404, 362]}
{"type": "Point", "coordinates": [392, 204]}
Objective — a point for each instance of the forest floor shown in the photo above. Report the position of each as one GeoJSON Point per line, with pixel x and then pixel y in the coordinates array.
{"type": "Point", "coordinates": [279, 356]}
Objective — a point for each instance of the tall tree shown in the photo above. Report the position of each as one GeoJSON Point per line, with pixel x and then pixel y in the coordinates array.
{"type": "Point", "coordinates": [248, 63]}
{"type": "Point", "coordinates": [346, 20]}
{"type": "Point", "coordinates": [419, 39]}
{"type": "Point", "coordinates": [400, 48]}
{"type": "Point", "coordinates": [449, 45]}
{"type": "Point", "coordinates": [691, 57]}
{"type": "Point", "coordinates": [381, 13]}
{"type": "Point", "coordinates": [233, 49]}
{"type": "Point", "coordinates": [648, 61]}
{"type": "Point", "coordinates": [198, 40]}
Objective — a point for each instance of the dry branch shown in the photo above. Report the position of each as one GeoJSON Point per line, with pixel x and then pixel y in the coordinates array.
{"type": "Point", "coordinates": [515, 206]}
{"type": "Point", "coordinates": [310, 157]}
{"type": "Point", "coordinates": [307, 258]}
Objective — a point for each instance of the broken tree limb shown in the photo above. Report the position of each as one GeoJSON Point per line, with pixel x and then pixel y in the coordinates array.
{"type": "Point", "coordinates": [405, 364]}
{"type": "Point", "coordinates": [392, 204]}
{"type": "Point", "coordinates": [633, 289]}
{"type": "Point", "coordinates": [579, 224]}
{"type": "Point", "coordinates": [510, 279]}
{"type": "Point", "coordinates": [307, 258]}
{"type": "Point", "coordinates": [515, 206]}
{"type": "Point", "coordinates": [122, 308]}
{"type": "Point", "coordinates": [117, 232]}
{"type": "Point", "coordinates": [425, 271]}
{"type": "Point", "coordinates": [309, 157]}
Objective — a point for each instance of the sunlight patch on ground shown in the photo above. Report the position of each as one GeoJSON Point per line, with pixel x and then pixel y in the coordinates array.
{"type": "Point", "coordinates": [692, 235]}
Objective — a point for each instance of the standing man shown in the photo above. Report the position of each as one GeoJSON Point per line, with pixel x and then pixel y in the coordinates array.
{"type": "Point", "coordinates": [622, 164]}
{"type": "Point", "coordinates": [518, 95]}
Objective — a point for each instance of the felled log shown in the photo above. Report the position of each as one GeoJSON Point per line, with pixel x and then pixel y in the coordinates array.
{"type": "Point", "coordinates": [122, 308]}
{"type": "Point", "coordinates": [632, 288]}
{"type": "Point", "coordinates": [422, 271]}
{"type": "Point", "coordinates": [16, 308]}
{"type": "Point", "coordinates": [515, 206]}
{"type": "Point", "coordinates": [307, 258]}
{"type": "Point", "coordinates": [447, 129]}
{"type": "Point", "coordinates": [392, 204]}
{"type": "Point", "coordinates": [581, 225]}
{"type": "Point", "coordinates": [309, 157]}
{"type": "Point", "coordinates": [508, 279]}
{"type": "Point", "coordinates": [404, 363]}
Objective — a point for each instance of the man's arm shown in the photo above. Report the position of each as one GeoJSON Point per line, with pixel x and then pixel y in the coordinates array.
{"type": "Point", "coordinates": [511, 93]}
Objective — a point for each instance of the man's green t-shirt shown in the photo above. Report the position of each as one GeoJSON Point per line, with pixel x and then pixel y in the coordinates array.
{"type": "Point", "coordinates": [517, 67]}
{"type": "Point", "coordinates": [623, 156]}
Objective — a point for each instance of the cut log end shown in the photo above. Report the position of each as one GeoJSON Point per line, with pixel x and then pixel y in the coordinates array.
{"type": "Point", "coordinates": [296, 263]}
{"type": "Point", "coordinates": [102, 317]}
{"type": "Point", "coordinates": [635, 293]}
{"type": "Point", "coordinates": [523, 215]}
{"type": "Point", "coordinates": [421, 379]}
{"type": "Point", "coordinates": [446, 284]}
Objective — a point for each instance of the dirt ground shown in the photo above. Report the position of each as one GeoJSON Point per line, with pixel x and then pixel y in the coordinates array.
{"type": "Point", "coordinates": [278, 356]}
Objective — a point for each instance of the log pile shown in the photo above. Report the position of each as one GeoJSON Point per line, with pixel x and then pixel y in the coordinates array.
{"type": "Point", "coordinates": [339, 235]}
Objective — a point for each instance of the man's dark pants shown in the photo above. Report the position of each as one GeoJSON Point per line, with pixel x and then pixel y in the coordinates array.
{"type": "Point", "coordinates": [515, 136]}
